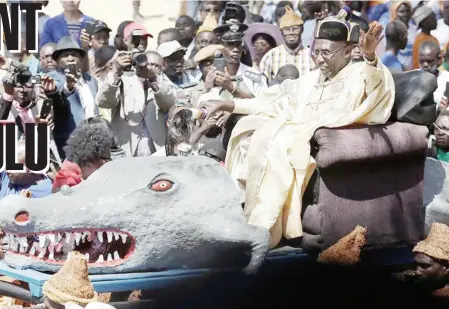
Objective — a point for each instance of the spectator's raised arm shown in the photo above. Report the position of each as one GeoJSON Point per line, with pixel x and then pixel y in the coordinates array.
{"type": "Point", "coordinates": [109, 92]}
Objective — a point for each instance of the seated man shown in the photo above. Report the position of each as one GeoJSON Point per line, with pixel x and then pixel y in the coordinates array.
{"type": "Point", "coordinates": [269, 152]}
{"type": "Point", "coordinates": [30, 184]}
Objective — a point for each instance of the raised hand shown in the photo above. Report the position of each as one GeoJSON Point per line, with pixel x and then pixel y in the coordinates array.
{"type": "Point", "coordinates": [85, 39]}
{"type": "Point", "coordinates": [209, 81]}
{"type": "Point", "coordinates": [122, 61]}
{"type": "Point", "coordinates": [5, 63]}
{"type": "Point", "coordinates": [223, 79]}
{"type": "Point", "coordinates": [48, 84]}
{"type": "Point", "coordinates": [370, 40]}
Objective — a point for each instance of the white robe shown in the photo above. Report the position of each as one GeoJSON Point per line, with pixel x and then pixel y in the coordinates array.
{"type": "Point", "coordinates": [269, 150]}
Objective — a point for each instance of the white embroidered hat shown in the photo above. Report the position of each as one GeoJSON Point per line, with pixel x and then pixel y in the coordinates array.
{"type": "Point", "coordinates": [169, 48]}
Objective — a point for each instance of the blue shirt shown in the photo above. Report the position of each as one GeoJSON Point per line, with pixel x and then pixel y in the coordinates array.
{"type": "Point", "coordinates": [391, 61]}
{"type": "Point", "coordinates": [56, 27]}
{"type": "Point", "coordinates": [40, 189]}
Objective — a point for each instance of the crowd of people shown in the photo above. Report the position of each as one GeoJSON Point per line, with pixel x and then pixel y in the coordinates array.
{"type": "Point", "coordinates": [245, 83]}
{"type": "Point", "coordinates": [112, 97]}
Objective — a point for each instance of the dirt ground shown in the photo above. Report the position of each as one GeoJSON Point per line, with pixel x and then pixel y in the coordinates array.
{"type": "Point", "coordinates": [161, 13]}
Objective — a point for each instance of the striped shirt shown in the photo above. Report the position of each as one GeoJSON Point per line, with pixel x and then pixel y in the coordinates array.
{"type": "Point", "coordinates": [281, 55]}
{"type": "Point", "coordinates": [74, 30]}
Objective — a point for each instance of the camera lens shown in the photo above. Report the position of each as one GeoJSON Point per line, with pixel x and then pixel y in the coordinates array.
{"type": "Point", "coordinates": [140, 60]}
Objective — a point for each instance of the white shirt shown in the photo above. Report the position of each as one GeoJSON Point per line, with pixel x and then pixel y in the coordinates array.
{"type": "Point", "coordinates": [189, 49]}
{"type": "Point", "coordinates": [253, 86]}
{"type": "Point", "coordinates": [441, 33]}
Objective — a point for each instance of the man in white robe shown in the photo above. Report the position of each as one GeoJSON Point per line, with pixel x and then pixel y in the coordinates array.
{"type": "Point", "coordinates": [269, 151]}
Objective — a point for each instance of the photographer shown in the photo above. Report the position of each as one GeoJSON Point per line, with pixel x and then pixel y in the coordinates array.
{"type": "Point", "coordinates": [137, 101]}
{"type": "Point", "coordinates": [22, 100]}
{"type": "Point", "coordinates": [95, 38]}
{"type": "Point", "coordinates": [77, 88]}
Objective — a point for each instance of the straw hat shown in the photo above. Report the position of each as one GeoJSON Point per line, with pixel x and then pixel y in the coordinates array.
{"type": "Point", "coordinates": [436, 245]}
{"type": "Point", "coordinates": [290, 18]}
{"type": "Point", "coordinates": [209, 24]}
{"type": "Point", "coordinates": [346, 251]}
{"type": "Point", "coordinates": [71, 283]}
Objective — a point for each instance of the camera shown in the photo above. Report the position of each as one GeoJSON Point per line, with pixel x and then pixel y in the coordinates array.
{"type": "Point", "coordinates": [19, 74]}
{"type": "Point", "coordinates": [139, 59]}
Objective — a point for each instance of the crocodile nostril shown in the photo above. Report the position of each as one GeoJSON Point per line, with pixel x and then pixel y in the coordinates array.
{"type": "Point", "coordinates": [22, 217]}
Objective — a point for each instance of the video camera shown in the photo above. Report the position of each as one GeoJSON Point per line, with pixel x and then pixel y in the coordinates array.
{"type": "Point", "coordinates": [139, 58]}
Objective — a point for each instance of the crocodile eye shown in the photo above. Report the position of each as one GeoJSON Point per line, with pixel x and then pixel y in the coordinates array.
{"type": "Point", "coordinates": [161, 185]}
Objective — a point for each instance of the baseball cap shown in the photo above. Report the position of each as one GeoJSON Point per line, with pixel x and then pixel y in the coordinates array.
{"type": "Point", "coordinates": [169, 48]}
{"type": "Point", "coordinates": [122, 26]}
{"type": "Point", "coordinates": [99, 26]}
{"type": "Point", "coordinates": [128, 31]}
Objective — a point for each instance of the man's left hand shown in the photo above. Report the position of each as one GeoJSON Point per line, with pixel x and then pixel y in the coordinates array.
{"type": "Point", "coordinates": [370, 40]}
{"type": "Point", "coordinates": [224, 80]}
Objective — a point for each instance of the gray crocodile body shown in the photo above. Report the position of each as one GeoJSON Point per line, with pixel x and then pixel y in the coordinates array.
{"type": "Point", "coordinates": [137, 214]}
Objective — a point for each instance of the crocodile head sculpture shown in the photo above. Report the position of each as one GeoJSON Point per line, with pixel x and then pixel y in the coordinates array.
{"type": "Point", "coordinates": [137, 214]}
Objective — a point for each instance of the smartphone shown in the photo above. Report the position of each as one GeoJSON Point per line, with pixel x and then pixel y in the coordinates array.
{"type": "Point", "coordinates": [73, 68]}
{"type": "Point", "coordinates": [219, 61]}
{"type": "Point", "coordinates": [446, 92]}
{"type": "Point", "coordinates": [46, 108]}
{"type": "Point", "coordinates": [36, 80]}
{"type": "Point", "coordinates": [90, 27]}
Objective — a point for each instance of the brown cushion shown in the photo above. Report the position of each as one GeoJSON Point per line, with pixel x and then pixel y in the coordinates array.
{"type": "Point", "coordinates": [364, 143]}
{"type": "Point", "coordinates": [370, 176]}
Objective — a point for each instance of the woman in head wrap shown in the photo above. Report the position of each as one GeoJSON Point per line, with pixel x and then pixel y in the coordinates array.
{"type": "Point", "coordinates": [402, 10]}
{"type": "Point", "coordinates": [261, 38]}
{"type": "Point", "coordinates": [261, 43]}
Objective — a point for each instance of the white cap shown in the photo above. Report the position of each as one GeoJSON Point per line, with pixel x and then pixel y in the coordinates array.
{"type": "Point", "coordinates": [169, 48]}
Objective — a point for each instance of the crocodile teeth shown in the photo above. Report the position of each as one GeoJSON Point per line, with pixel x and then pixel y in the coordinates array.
{"type": "Point", "coordinates": [116, 255]}
{"type": "Point", "coordinates": [77, 238]}
{"type": "Point", "coordinates": [52, 238]}
{"type": "Point", "coordinates": [42, 239]}
{"type": "Point", "coordinates": [109, 234]}
{"type": "Point", "coordinates": [87, 256]}
{"type": "Point", "coordinates": [24, 242]}
{"type": "Point", "coordinates": [109, 257]}
{"type": "Point", "coordinates": [67, 237]}
{"type": "Point", "coordinates": [41, 255]}
{"type": "Point", "coordinates": [100, 236]}
{"type": "Point", "coordinates": [100, 259]}
{"type": "Point", "coordinates": [51, 256]}
{"type": "Point", "coordinates": [124, 236]}
{"type": "Point", "coordinates": [116, 235]}
{"type": "Point", "coordinates": [58, 237]}
{"type": "Point", "coordinates": [22, 249]}
{"type": "Point", "coordinates": [33, 251]}
{"type": "Point", "coordinates": [86, 236]}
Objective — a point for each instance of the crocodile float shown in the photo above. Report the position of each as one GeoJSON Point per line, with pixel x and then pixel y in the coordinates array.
{"type": "Point", "coordinates": [137, 214]}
